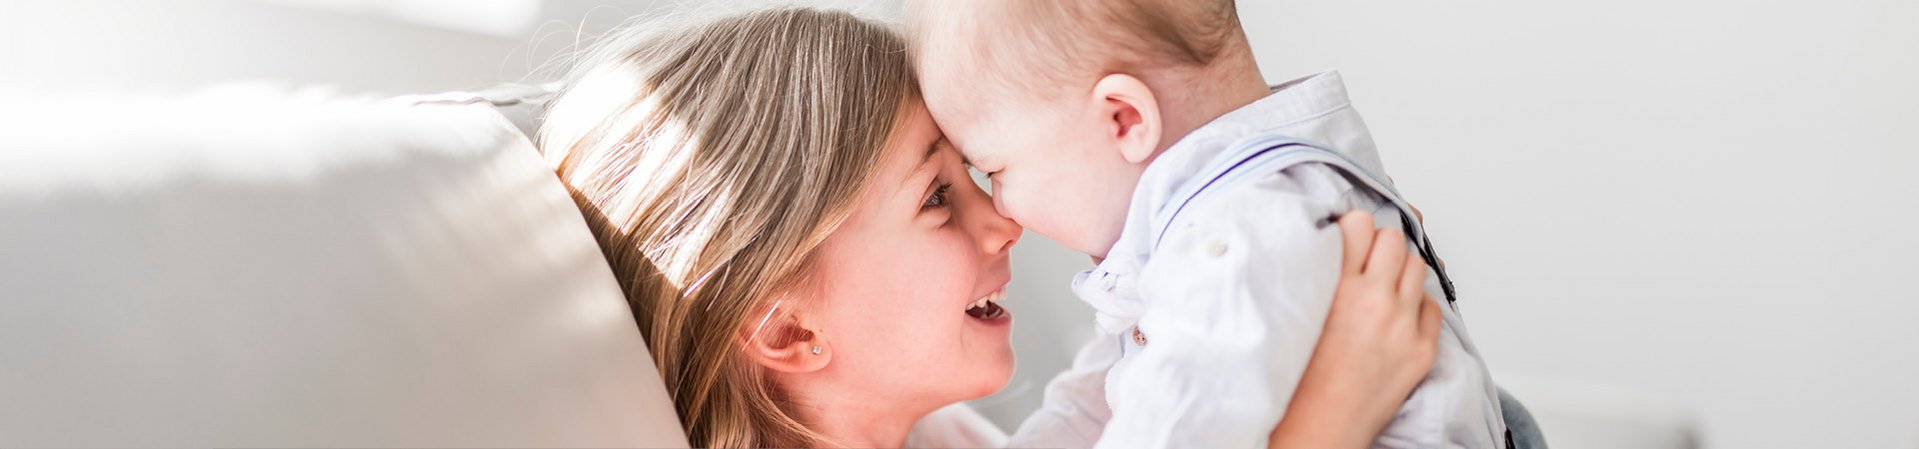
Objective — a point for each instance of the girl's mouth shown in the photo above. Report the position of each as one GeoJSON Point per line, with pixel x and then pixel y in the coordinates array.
{"type": "Point", "coordinates": [987, 308]}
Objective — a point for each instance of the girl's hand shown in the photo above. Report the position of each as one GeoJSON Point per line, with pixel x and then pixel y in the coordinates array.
{"type": "Point", "coordinates": [1378, 344]}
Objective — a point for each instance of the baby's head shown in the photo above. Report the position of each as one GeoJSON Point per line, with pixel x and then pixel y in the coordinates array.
{"type": "Point", "coordinates": [1064, 102]}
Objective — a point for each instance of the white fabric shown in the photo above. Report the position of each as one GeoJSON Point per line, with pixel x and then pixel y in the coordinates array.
{"type": "Point", "coordinates": [1232, 302]}
{"type": "Point", "coordinates": [251, 268]}
{"type": "Point", "coordinates": [1074, 411]}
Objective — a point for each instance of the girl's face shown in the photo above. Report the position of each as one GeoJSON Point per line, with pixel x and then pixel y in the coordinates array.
{"type": "Point", "coordinates": [901, 283]}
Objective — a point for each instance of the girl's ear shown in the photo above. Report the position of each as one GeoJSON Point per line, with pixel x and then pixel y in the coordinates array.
{"type": "Point", "coordinates": [780, 341]}
{"type": "Point", "coordinates": [1130, 114]}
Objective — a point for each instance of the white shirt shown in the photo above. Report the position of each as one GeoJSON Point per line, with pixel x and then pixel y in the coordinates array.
{"type": "Point", "coordinates": [1232, 302]}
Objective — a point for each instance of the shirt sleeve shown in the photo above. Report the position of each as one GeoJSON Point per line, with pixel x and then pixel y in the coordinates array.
{"type": "Point", "coordinates": [1074, 410]}
{"type": "Point", "coordinates": [1236, 296]}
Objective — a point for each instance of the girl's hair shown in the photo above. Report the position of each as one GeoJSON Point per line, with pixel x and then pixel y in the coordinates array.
{"type": "Point", "coordinates": [710, 161]}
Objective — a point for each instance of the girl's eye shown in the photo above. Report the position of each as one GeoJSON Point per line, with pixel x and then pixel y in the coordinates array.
{"type": "Point", "coordinates": [937, 199]}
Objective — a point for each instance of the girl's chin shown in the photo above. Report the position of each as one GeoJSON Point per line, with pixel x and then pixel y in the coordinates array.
{"type": "Point", "coordinates": [999, 375]}
{"type": "Point", "coordinates": [990, 365]}
{"type": "Point", "coordinates": [992, 384]}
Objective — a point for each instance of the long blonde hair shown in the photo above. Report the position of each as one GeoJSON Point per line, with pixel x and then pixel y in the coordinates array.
{"type": "Point", "coordinates": [710, 161]}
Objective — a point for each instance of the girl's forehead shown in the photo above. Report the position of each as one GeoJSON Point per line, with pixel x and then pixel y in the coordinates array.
{"type": "Point", "coordinates": [917, 147]}
{"type": "Point", "coordinates": [903, 169]}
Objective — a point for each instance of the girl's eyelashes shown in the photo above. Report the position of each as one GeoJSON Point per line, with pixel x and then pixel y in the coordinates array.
{"type": "Point", "coordinates": [938, 198]}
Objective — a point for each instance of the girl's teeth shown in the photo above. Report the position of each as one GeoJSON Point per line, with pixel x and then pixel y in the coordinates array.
{"type": "Point", "coordinates": [990, 298]}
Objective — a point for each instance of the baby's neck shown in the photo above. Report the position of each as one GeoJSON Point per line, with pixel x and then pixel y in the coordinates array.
{"type": "Point", "coordinates": [1191, 98]}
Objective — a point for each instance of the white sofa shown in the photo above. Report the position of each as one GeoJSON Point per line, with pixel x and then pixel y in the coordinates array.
{"type": "Point", "coordinates": [259, 267]}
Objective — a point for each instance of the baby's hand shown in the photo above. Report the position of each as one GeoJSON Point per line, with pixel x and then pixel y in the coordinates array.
{"type": "Point", "coordinates": [1378, 343]}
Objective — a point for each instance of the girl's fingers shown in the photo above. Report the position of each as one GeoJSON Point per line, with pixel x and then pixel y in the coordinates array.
{"type": "Point", "coordinates": [1356, 227]}
{"type": "Point", "coordinates": [1388, 258]}
{"type": "Point", "coordinates": [1428, 321]}
{"type": "Point", "coordinates": [1412, 282]}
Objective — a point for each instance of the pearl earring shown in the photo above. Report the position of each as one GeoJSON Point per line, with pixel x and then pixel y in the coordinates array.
{"type": "Point", "coordinates": [816, 349]}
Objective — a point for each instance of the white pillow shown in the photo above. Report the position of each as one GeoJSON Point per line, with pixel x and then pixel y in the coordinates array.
{"type": "Point", "coordinates": [254, 267]}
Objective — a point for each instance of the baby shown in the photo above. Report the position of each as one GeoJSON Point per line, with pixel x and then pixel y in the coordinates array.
{"type": "Point", "coordinates": [1141, 133]}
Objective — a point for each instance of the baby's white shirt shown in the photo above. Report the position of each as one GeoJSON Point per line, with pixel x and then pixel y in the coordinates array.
{"type": "Point", "coordinates": [1230, 303]}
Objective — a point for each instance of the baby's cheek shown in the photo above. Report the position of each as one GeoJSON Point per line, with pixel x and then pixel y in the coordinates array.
{"type": "Point", "coordinates": [1018, 206]}
{"type": "Point", "coordinates": [1056, 218]}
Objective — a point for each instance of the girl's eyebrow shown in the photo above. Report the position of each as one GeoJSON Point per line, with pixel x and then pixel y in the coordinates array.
{"type": "Point", "coordinates": [931, 149]}
{"type": "Point", "coordinates": [942, 142]}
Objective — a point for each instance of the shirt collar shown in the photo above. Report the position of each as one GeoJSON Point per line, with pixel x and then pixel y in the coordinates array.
{"type": "Point", "coordinates": [1108, 287]}
{"type": "Point", "coordinates": [1291, 103]}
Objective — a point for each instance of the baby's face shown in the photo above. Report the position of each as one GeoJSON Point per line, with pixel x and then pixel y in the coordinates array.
{"type": "Point", "coordinates": [1053, 165]}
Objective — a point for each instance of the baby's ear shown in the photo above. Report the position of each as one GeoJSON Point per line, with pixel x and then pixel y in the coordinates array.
{"type": "Point", "coordinates": [779, 340]}
{"type": "Point", "coordinates": [1131, 115]}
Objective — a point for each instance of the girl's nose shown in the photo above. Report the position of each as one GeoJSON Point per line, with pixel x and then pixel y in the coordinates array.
{"type": "Point", "coordinates": [996, 233]}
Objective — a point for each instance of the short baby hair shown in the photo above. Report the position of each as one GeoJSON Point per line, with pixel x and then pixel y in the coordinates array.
{"type": "Point", "coordinates": [1034, 44]}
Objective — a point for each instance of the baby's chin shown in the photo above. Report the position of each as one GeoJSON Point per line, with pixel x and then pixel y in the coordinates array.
{"type": "Point", "coordinates": [1091, 239]}
{"type": "Point", "coordinates": [1090, 245]}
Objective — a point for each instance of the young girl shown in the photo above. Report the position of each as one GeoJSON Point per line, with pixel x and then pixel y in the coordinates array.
{"type": "Point", "coordinates": [812, 266]}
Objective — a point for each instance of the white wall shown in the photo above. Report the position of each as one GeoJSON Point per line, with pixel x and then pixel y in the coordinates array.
{"type": "Point", "coordinates": [177, 45]}
{"type": "Point", "coordinates": [377, 46]}
{"type": "Point", "coordinates": [1704, 200]}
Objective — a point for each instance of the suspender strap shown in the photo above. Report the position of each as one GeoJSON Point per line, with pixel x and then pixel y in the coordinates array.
{"type": "Point", "coordinates": [1267, 154]}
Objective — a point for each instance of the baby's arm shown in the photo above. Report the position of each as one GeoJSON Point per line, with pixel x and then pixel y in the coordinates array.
{"type": "Point", "coordinates": [1237, 294]}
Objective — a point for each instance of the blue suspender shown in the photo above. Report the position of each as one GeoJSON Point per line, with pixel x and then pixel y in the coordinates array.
{"type": "Point", "coordinates": [1267, 154]}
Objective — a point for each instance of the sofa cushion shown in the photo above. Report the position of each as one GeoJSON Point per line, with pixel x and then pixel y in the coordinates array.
{"type": "Point", "coordinates": [252, 266]}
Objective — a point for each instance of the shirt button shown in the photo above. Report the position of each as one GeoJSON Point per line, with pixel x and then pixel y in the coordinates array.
{"type": "Point", "coordinates": [1139, 338]}
{"type": "Point", "coordinates": [1217, 248]}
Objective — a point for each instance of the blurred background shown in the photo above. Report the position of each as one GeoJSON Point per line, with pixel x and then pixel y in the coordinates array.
{"type": "Point", "coordinates": [1670, 214]}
